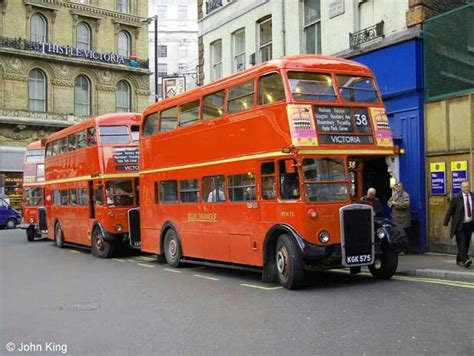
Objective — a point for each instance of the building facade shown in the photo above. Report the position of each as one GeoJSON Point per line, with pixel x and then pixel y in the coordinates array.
{"type": "Point", "coordinates": [64, 60]}
{"type": "Point", "coordinates": [385, 35]}
{"type": "Point", "coordinates": [449, 102]}
{"type": "Point", "coordinates": [177, 34]}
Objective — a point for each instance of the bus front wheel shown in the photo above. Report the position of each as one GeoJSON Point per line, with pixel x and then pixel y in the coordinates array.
{"type": "Point", "coordinates": [30, 233]}
{"type": "Point", "coordinates": [58, 236]}
{"type": "Point", "coordinates": [289, 263]}
{"type": "Point", "coordinates": [385, 265]}
{"type": "Point", "coordinates": [100, 247]}
{"type": "Point", "coordinates": [172, 248]}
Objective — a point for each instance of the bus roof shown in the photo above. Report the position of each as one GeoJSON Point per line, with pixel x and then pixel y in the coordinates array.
{"type": "Point", "coordinates": [104, 120]}
{"type": "Point", "coordinates": [35, 145]}
{"type": "Point", "coordinates": [296, 62]}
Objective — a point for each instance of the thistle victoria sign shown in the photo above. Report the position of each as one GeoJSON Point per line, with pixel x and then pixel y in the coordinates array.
{"type": "Point", "coordinates": [90, 54]}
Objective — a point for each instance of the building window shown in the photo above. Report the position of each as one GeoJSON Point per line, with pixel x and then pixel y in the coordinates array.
{"type": "Point", "coordinates": [183, 51]}
{"type": "Point", "coordinates": [182, 68]}
{"type": "Point", "coordinates": [37, 91]}
{"type": "Point", "coordinates": [162, 10]}
{"type": "Point", "coordinates": [82, 96]}
{"type": "Point", "coordinates": [162, 69]}
{"type": "Point", "coordinates": [84, 2]}
{"type": "Point", "coordinates": [123, 5]}
{"type": "Point", "coordinates": [39, 28]}
{"type": "Point", "coordinates": [312, 25]}
{"type": "Point", "coordinates": [216, 60]}
{"type": "Point", "coordinates": [265, 40]}
{"type": "Point", "coordinates": [83, 36]}
{"type": "Point", "coordinates": [162, 51]}
{"type": "Point", "coordinates": [123, 97]}
{"type": "Point", "coordinates": [182, 12]}
{"type": "Point", "coordinates": [238, 48]}
{"type": "Point", "coordinates": [124, 44]}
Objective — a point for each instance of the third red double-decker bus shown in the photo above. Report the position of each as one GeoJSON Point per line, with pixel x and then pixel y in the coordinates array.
{"type": "Point", "coordinates": [34, 213]}
{"type": "Point", "coordinates": [91, 174]}
{"type": "Point", "coordinates": [252, 170]}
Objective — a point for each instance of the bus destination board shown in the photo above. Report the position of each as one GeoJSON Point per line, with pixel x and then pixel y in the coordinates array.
{"type": "Point", "coordinates": [340, 125]}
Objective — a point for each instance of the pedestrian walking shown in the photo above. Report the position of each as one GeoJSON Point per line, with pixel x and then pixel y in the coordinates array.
{"type": "Point", "coordinates": [462, 224]}
{"type": "Point", "coordinates": [372, 200]}
{"type": "Point", "coordinates": [399, 202]}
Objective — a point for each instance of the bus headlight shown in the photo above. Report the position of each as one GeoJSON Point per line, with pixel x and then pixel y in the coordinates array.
{"type": "Point", "coordinates": [381, 233]}
{"type": "Point", "coordinates": [118, 228]}
{"type": "Point", "coordinates": [324, 237]}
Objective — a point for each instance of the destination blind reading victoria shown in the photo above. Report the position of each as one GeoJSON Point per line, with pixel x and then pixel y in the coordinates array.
{"type": "Point", "coordinates": [336, 125]}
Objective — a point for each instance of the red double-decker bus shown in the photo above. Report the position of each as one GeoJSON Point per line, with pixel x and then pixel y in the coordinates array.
{"type": "Point", "coordinates": [261, 168]}
{"type": "Point", "coordinates": [91, 174]}
{"type": "Point", "coordinates": [34, 213]}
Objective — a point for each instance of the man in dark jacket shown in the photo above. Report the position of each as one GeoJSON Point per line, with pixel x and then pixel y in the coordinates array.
{"type": "Point", "coordinates": [461, 211]}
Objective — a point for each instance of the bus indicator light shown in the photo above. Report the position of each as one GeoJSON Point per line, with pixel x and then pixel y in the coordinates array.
{"type": "Point", "coordinates": [312, 214]}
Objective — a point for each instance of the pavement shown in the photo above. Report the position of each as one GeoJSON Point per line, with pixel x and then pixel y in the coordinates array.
{"type": "Point", "coordinates": [434, 265]}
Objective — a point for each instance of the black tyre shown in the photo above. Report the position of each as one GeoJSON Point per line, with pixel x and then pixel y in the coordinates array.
{"type": "Point", "coordinates": [289, 264]}
{"type": "Point", "coordinates": [58, 236]}
{"type": "Point", "coordinates": [11, 224]}
{"type": "Point", "coordinates": [172, 248]}
{"type": "Point", "coordinates": [385, 266]}
{"type": "Point", "coordinates": [30, 233]}
{"type": "Point", "coordinates": [100, 247]}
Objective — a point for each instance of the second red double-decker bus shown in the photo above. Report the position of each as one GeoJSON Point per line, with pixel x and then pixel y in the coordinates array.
{"type": "Point", "coordinates": [252, 170]}
{"type": "Point", "coordinates": [34, 213]}
{"type": "Point", "coordinates": [91, 174]}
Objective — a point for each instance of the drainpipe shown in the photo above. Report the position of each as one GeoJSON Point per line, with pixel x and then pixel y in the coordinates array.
{"type": "Point", "coordinates": [283, 26]}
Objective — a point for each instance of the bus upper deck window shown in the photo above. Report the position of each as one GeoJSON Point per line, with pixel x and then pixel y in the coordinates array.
{"type": "Point", "coordinates": [110, 135]}
{"type": "Point", "coordinates": [80, 139]}
{"type": "Point", "coordinates": [135, 132]}
{"type": "Point", "coordinates": [270, 89]}
{"type": "Point", "coordinates": [150, 124]}
{"type": "Point", "coordinates": [307, 86]}
{"type": "Point", "coordinates": [189, 113]}
{"type": "Point", "coordinates": [357, 89]}
{"type": "Point", "coordinates": [241, 97]}
{"type": "Point", "coordinates": [169, 119]}
{"type": "Point", "coordinates": [91, 138]}
{"type": "Point", "coordinates": [213, 105]}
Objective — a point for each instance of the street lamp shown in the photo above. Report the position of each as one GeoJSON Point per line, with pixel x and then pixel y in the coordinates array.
{"type": "Point", "coordinates": [148, 21]}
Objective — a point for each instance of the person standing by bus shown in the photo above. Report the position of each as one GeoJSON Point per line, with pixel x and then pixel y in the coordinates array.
{"type": "Point", "coordinates": [399, 202]}
{"type": "Point", "coordinates": [460, 210]}
{"type": "Point", "coordinates": [372, 200]}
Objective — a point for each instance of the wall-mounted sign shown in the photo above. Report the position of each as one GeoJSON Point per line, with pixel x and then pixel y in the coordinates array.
{"type": "Point", "coordinates": [336, 8]}
{"type": "Point", "coordinates": [438, 178]}
{"type": "Point", "coordinates": [173, 86]}
{"type": "Point", "coordinates": [458, 174]}
{"type": "Point", "coordinates": [90, 54]}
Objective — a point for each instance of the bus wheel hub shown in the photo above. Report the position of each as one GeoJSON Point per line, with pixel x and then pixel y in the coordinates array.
{"type": "Point", "coordinates": [282, 261]}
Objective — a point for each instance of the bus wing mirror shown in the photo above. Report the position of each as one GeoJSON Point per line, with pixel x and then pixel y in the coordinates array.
{"type": "Point", "coordinates": [290, 166]}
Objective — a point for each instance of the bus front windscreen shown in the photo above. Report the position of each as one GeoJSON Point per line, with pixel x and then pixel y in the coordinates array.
{"type": "Point", "coordinates": [311, 86]}
{"type": "Point", "coordinates": [325, 179]}
{"type": "Point", "coordinates": [110, 135]}
{"type": "Point", "coordinates": [357, 89]}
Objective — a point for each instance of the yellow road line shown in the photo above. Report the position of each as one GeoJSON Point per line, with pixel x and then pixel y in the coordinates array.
{"type": "Point", "coordinates": [260, 287]}
{"type": "Point", "coordinates": [117, 259]}
{"type": "Point", "coordinates": [171, 270]}
{"type": "Point", "coordinates": [74, 251]}
{"type": "Point", "coordinates": [206, 277]}
{"type": "Point", "coordinates": [146, 258]}
{"type": "Point", "coordinates": [145, 265]}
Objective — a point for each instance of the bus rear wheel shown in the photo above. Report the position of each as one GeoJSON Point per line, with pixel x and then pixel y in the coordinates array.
{"type": "Point", "coordinates": [58, 236]}
{"type": "Point", "coordinates": [385, 266]}
{"type": "Point", "coordinates": [172, 248]}
{"type": "Point", "coordinates": [30, 233]}
{"type": "Point", "coordinates": [289, 264]}
{"type": "Point", "coordinates": [100, 247]}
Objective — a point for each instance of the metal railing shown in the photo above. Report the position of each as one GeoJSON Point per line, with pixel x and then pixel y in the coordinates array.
{"type": "Point", "coordinates": [211, 5]}
{"type": "Point", "coordinates": [366, 35]}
